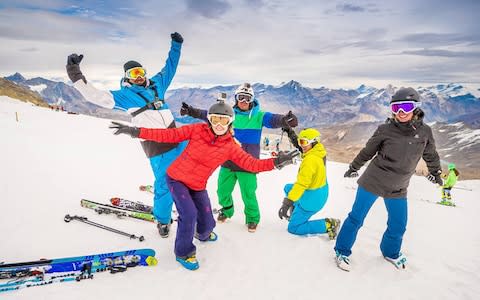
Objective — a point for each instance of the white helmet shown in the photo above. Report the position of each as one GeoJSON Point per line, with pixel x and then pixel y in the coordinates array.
{"type": "Point", "coordinates": [245, 89]}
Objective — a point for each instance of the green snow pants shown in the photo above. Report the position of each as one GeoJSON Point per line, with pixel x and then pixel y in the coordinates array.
{"type": "Point", "coordinates": [248, 187]}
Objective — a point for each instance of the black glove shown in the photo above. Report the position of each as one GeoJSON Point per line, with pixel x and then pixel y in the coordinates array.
{"type": "Point", "coordinates": [285, 158]}
{"type": "Point", "coordinates": [351, 172]}
{"type": "Point", "coordinates": [435, 177]}
{"type": "Point", "coordinates": [286, 210]}
{"type": "Point", "coordinates": [134, 132]}
{"type": "Point", "coordinates": [177, 37]}
{"type": "Point", "coordinates": [185, 109]}
{"type": "Point", "coordinates": [73, 68]}
{"type": "Point", "coordinates": [289, 120]}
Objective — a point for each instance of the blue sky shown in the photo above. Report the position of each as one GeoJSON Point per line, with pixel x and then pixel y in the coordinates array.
{"type": "Point", "coordinates": [337, 44]}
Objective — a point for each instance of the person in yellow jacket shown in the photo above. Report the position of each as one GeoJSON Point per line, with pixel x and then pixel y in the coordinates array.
{"type": "Point", "coordinates": [451, 180]}
{"type": "Point", "coordinates": [309, 193]}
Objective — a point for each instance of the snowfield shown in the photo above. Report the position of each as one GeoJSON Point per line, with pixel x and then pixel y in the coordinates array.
{"type": "Point", "coordinates": [50, 160]}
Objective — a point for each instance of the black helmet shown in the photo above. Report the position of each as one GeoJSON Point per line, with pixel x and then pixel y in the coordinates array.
{"type": "Point", "coordinates": [405, 94]}
{"type": "Point", "coordinates": [131, 64]}
{"type": "Point", "coordinates": [221, 108]}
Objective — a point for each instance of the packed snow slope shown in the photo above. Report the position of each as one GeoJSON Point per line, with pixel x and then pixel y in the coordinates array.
{"type": "Point", "coordinates": [50, 160]}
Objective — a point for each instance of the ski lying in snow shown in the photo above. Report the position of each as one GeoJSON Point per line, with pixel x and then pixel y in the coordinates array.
{"type": "Point", "coordinates": [146, 188]}
{"type": "Point", "coordinates": [134, 205]}
{"type": "Point", "coordinates": [120, 212]}
{"type": "Point", "coordinates": [15, 276]}
{"type": "Point", "coordinates": [128, 204]}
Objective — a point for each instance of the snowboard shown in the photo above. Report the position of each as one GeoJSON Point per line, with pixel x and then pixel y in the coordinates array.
{"type": "Point", "coordinates": [14, 276]}
{"type": "Point", "coordinates": [120, 212]}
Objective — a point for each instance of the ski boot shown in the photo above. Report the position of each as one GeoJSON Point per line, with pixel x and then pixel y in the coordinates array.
{"type": "Point", "coordinates": [211, 238]}
{"type": "Point", "coordinates": [189, 262]}
{"type": "Point", "coordinates": [400, 262]}
{"type": "Point", "coordinates": [164, 229]}
{"type": "Point", "coordinates": [333, 225]}
{"type": "Point", "coordinates": [222, 217]}
{"type": "Point", "coordinates": [342, 261]}
{"type": "Point", "coordinates": [252, 227]}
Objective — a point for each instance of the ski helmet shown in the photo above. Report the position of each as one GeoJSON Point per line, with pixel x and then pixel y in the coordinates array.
{"type": "Point", "coordinates": [405, 94]}
{"type": "Point", "coordinates": [245, 89]}
{"type": "Point", "coordinates": [309, 136]}
{"type": "Point", "coordinates": [221, 108]}
{"type": "Point", "coordinates": [131, 64]}
{"type": "Point", "coordinates": [451, 166]}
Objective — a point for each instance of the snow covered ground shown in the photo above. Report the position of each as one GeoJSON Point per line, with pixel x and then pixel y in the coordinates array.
{"type": "Point", "coordinates": [50, 160]}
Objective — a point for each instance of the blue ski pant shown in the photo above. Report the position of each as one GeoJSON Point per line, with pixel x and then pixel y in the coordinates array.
{"type": "Point", "coordinates": [396, 224]}
{"type": "Point", "coordinates": [311, 202]}
{"type": "Point", "coordinates": [162, 199]}
{"type": "Point", "coordinates": [194, 214]}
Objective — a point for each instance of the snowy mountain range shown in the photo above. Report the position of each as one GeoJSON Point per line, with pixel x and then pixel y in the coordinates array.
{"type": "Point", "coordinates": [324, 107]}
{"type": "Point", "coordinates": [452, 109]}
{"type": "Point", "coordinates": [315, 106]}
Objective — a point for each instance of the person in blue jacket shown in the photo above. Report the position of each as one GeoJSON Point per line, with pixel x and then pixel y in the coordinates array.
{"type": "Point", "coordinates": [144, 99]}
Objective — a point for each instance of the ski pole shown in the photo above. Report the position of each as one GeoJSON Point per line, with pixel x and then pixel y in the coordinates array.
{"type": "Point", "coordinates": [69, 218]}
{"type": "Point", "coordinates": [462, 188]}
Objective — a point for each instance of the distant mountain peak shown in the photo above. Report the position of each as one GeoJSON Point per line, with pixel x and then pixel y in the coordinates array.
{"type": "Point", "coordinates": [17, 77]}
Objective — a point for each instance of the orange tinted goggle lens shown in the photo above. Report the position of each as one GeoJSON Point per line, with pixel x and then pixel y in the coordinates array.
{"type": "Point", "coordinates": [219, 120]}
{"type": "Point", "coordinates": [303, 142]}
{"type": "Point", "coordinates": [136, 72]}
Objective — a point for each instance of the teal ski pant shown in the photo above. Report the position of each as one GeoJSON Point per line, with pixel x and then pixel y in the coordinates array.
{"type": "Point", "coordinates": [162, 199]}
{"type": "Point", "coordinates": [396, 224]}
{"type": "Point", "coordinates": [311, 202]}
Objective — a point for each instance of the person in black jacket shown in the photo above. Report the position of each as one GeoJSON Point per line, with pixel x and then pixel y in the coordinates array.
{"type": "Point", "coordinates": [396, 147]}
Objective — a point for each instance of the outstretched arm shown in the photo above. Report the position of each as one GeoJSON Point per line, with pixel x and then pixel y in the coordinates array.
{"type": "Point", "coordinates": [370, 149]}
{"type": "Point", "coordinates": [193, 112]}
{"type": "Point", "coordinates": [277, 121]}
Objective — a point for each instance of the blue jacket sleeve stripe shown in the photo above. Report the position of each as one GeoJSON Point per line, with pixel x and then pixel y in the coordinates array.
{"type": "Point", "coordinates": [272, 120]}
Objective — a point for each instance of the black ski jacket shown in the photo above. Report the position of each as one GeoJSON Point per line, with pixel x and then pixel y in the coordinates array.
{"type": "Point", "coordinates": [397, 148]}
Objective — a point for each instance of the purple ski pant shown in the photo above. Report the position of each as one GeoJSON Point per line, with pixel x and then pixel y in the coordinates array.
{"type": "Point", "coordinates": [193, 208]}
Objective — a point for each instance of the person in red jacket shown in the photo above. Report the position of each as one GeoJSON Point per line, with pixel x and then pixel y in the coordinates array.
{"type": "Point", "coordinates": [210, 145]}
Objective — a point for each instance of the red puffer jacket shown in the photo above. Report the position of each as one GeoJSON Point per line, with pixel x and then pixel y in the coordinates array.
{"type": "Point", "coordinates": [203, 154]}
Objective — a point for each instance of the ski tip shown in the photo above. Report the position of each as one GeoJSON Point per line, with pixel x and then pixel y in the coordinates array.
{"type": "Point", "coordinates": [151, 261]}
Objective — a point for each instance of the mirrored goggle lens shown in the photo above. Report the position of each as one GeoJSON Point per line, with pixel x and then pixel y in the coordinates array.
{"type": "Point", "coordinates": [304, 142]}
{"type": "Point", "coordinates": [406, 107]}
{"type": "Point", "coordinates": [135, 72]}
{"type": "Point", "coordinates": [222, 120]}
{"type": "Point", "coordinates": [244, 98]}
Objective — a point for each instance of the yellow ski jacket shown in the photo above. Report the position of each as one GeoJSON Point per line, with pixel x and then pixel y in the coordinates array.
{"type": "Point", "coordinates": [312, 173]}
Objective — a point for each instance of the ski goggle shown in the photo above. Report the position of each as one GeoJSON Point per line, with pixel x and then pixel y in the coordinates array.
{"type": "Point", "coordinates": [405, 106]}
{"type": "Point", "coordinates": [136, 72]}
{"type": "Point", "coordinates": [244, 98]}
{"type": "Point", "coordinates": [223, 120]}
{"type": "Point", "coordinates": [304, 141]}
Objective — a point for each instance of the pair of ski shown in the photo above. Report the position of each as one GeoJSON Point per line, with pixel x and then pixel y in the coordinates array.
{"type": "Point", "coordinates": [15, 276]}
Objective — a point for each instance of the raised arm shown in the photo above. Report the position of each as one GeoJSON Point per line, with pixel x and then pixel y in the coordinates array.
{"type": "Point", "coordinates": [89, 92]}
{"type": "Point", "coordinates": [165, 76]}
